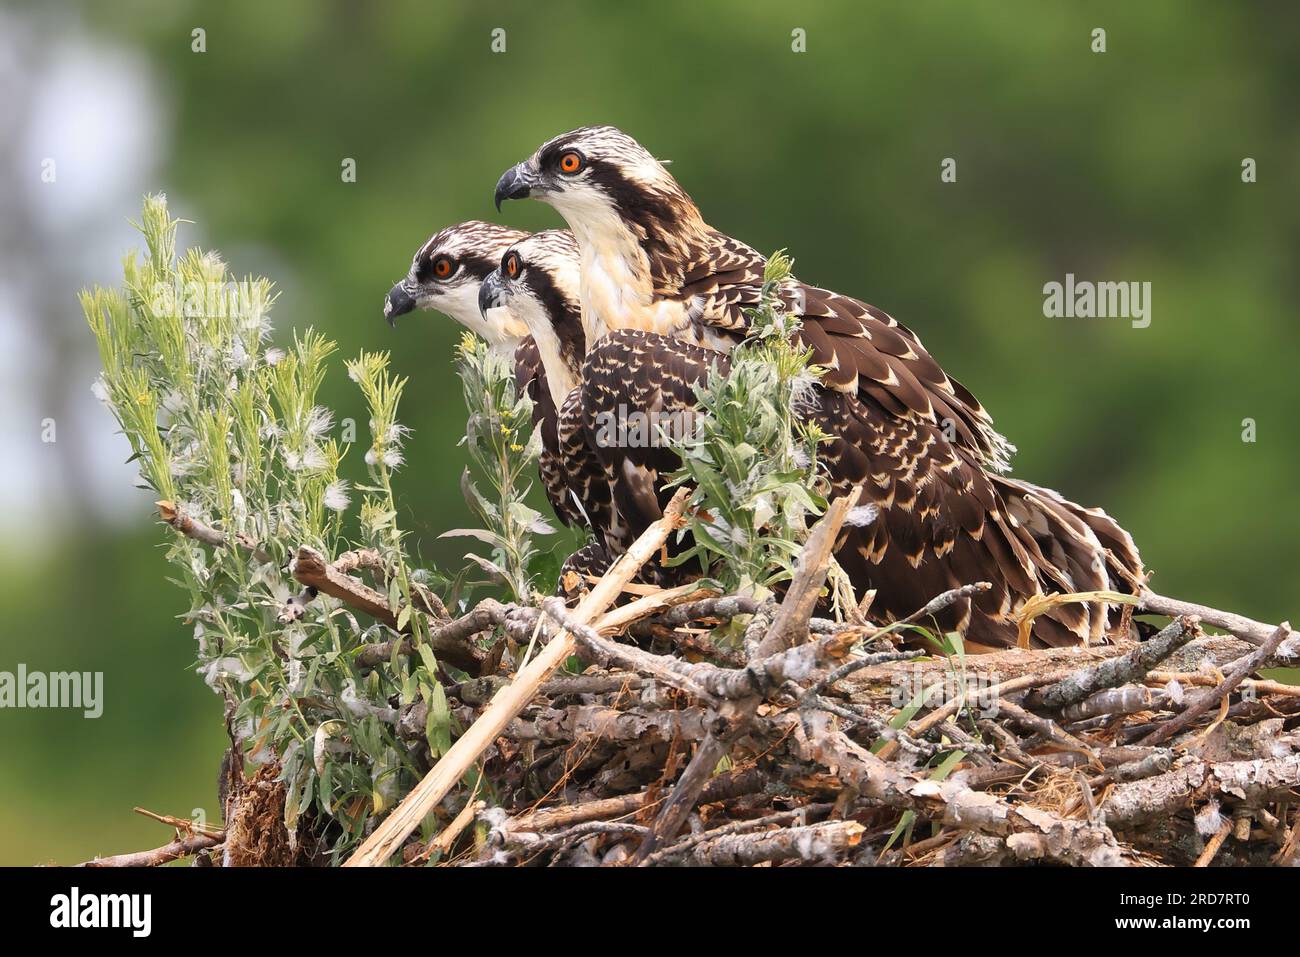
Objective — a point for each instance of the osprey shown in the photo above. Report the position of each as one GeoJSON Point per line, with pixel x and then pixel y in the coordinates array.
{"type": "Point", "coordinates": [447, 274]}
{"type": "Point", "coordinates": [924, 451]}
{"type": "Point", "coordinates": [537, 284]}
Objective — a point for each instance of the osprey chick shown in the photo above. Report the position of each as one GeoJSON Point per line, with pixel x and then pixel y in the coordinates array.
{"type": "Point", "coordinates": [447, 274]}
{"type": "Point", "coordinates": [537, 284]}
{"type": "Point", "coordinates": [920, 445]}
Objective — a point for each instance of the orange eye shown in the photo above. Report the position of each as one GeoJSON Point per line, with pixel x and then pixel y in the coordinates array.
{"type": "Point", "coordinates": [442, 267]}
{"type": "Point", "coordinates": [512, 265]}
{"type": "Point", "coordinates": [571, 162]}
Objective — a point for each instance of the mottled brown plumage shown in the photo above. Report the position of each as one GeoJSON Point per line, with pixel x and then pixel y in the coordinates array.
{"type": "Point", "coordinates": [472, 251]}
{"type": "Point", "coordinates": [920, 445]}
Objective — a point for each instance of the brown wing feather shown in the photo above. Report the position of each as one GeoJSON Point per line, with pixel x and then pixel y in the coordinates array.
{"type": "Point", "coordinates": [942, 521]}
{"type": "Point", "coordinates": [924, 450]}
{"type": "Point", "coordinates": [573, 479]}
{"type": "Point", "coordinates": [633, 382]}
{"type": "Point", "coordinates": [863, 349]}
{"type": "Point", "coordinates": [583, 473]}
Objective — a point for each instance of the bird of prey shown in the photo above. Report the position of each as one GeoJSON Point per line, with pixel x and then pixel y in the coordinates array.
{"type": "Point", "coordinates": [447, 274]}
{"type": "Point", "coordinates": [924, 451]}
{"type": "Point", "coordinates": [537, 284]}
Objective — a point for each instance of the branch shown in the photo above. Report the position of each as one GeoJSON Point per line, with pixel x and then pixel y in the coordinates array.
{"type": "Point", "coordinates": [790, 626]}
{"type": "Point", "coordinates": [450, 642]}
{"type": "Point", "coordinates": [175, 516]}
{"type": "Point", "coordinates": [512, 699]}
{"type": "Point", "coordinates": [1247, 629]}
{"type": "Point", "coordinates": [180, 847]}
{"type": "Point", "coordinates": [1252, 783]}
{"type": "Point", "coordinates": [1245, 666]}
{"type": "Point", "coordinates": [1117, 671]}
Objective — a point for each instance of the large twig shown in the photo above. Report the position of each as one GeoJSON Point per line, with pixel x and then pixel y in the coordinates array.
{"type": "Point", "coordinates": [512, 699]}
{"type": "Point", "coordinates": [1248, 664]}
{"type": "Point", "coordinates": [1030, 832]}
{"type": "Point", "coordinates": [1116, 671]}
{"type": "Point", "coordinates": [1252, 783]}
{"type": "Point", "coordinates": [790, 626]}
{"type": "Point", "coordinates": [450, 642]}
{"type": "Point", "coordinates": [1247, 629]}
{"type": "Point", "coordinates": [176, 516]}
{"type": "Point", "coordinates": [789, 629]}
{"type": "Point", "coordinates": [182, 846]}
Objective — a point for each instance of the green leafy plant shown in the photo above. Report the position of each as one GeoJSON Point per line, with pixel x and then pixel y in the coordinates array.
{"type": "Point", "coordinates": [504, 449]}
{"type": "Point", "coordinates": [226, 429]}
{"type": "Point", "coordinates": [751, 459]}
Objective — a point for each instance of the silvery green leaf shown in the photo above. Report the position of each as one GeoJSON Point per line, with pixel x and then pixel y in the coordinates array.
{"type": "Point", "coordinates": [491, 568]}
{"type": "Point", "coordinates": [474, 498]}
{"type": "Point", "coordinates": [483, 535]}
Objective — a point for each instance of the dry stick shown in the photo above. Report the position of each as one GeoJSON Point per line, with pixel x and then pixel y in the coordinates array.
{"type": "Point", "coordinates": [566, 815]}
{"type": "Point", "coordinates": [812, 844]}
{"type": "Point", "coordinates": [311, 568]}
{"type": "Point", "coordinates": [932, 607]}
{"type": "Point", "coordinates": [685, 845]}
{"type": "Point", "coordinates": [1243, 667]}
{"type": "Point", "coordinates": [789, 628]}
{"type": "Point", "coordinates": [598, 722]}
{"type": "Point", "coordinates": [624, 615]}
{"type": "Point", "coordinates": [941, 601]}
{"type": "Point", "coordinates": [1044, 726]}
{"type": "Point", "coordinates": [613, 622]}
{"type": "Point", "coordinates": [1116, 671]}
{"type": "Point", "coordinates": [421, 596]}
{"type": "Point", "coordinates": [952, 707]}
{"type": "Point", "coordinates": [1029, 831]}
{"type": "Point", "coordinates": [725, 607]}
{"type": "Point", "coordinates": [1126, 699]}
{"type": "Point", "coordinates": [447, 837]}
{"type": "Point", "coordinates": [1213, 844]}
{"type": "Point", "coordinates": [180, 823]}
{"type": "Point", "coordinates": [181, 847]}
{"type": "Point", "coordinates": [450, 641]}
{"type": "Point", "coordinates": [510, 700]}
{"type": "Point", "coordinates": [1247, 629]}
{"type": "Point", "coordinates": [175, 516]}
{"type": "Point", "coordinates": [721, 788]}
{"type": "Point", "coordinates": [1258, 686]}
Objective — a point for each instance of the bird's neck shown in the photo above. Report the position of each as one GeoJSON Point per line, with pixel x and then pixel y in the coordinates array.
{"type": "Point", "coordinates": [498, 328]}
{"type": "Point", "coordinates": [561, 345]}
{"type": "Point", "coordinates": [632, 269]}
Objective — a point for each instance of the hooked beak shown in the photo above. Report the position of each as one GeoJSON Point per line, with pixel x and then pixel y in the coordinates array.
{"type": "Point", "coordinates": [398, 303]}
{"type": "Point", "coordinates": [516, 183]}
{"type": "Point", "coordinates": [490, 293]}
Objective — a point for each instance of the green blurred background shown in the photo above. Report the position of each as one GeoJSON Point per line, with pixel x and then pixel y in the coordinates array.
{"type": "Point", "coordinates": [1122, 166]}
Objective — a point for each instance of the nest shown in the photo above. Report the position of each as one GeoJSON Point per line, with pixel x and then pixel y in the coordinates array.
{"type": "Point", "coordinates": [808, 741]}
{"type": "Point", "coordinates": [817, 743]}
